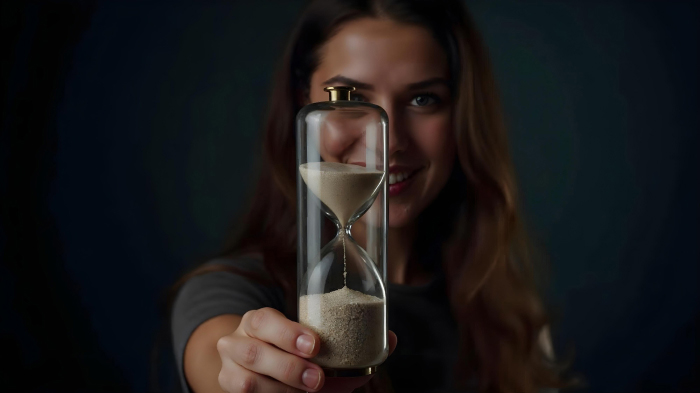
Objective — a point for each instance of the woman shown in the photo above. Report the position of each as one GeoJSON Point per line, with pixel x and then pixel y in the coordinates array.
{"type": "Point", "coordinates": [460, 295]}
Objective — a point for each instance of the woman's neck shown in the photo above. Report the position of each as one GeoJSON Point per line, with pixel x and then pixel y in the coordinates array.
{"type": "Point", "coordinates": [401, 266]}
{"type": "Point", "coordinates": [399, 248]}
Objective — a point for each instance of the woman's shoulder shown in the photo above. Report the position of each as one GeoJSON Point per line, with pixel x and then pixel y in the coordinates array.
{"type": "Point", "coordinates": [252, 262]}
{"type": "Point", "coordinates": [233, 283]}
{"type": "Point", "coordinates": [225, 285]}
{"type": "Point", "coordinates": [248, 266]}
{"type": "Point", "coordinates": [248, 261]}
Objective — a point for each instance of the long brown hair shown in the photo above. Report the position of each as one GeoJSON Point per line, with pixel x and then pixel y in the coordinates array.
{"type": "Point", "coordinates": [485, 256]}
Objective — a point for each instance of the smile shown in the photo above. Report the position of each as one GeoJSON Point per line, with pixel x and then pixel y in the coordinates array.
{"type": "Point", "coordinates": [399, 181]}
{"type": "Point", "coordinates": [395, 178]}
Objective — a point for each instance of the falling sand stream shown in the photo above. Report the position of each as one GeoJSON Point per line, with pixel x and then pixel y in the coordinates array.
{"type": "Point", "coordinates": [349, 322]}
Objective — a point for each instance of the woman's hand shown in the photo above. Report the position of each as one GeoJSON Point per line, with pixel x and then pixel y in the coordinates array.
{"type": "Point", "coordinates": [268, 353]}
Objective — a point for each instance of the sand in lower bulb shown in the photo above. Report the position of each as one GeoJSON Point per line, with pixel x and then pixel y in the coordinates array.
{"type": "Point", "coordinates": [350, 325]}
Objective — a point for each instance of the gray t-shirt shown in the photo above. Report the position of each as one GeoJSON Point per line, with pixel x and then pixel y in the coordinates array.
{"type": "Point", "coordinates": [217, 293]}
{"type": "Point", "coordinates": [419, 315]}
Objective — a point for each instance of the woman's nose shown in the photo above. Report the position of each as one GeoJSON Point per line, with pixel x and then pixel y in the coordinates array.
{"type": "Point", "coordinates": [398, 140]}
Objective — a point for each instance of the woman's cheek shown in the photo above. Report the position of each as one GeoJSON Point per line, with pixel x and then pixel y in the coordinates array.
{"type": "Point", "coordinates": [341, 137]}
{"type": "Point", "coordinates": [434, 138]}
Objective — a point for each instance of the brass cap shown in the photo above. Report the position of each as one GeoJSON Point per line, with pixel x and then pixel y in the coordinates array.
{"type": "Point", "coordinates": [339, 93]}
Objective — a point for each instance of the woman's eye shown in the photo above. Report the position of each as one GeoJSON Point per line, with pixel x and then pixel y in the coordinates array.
{"type": "Point", "coordinates": [424, 100]}
{"type": "Point", "coordinates": [357, 97]}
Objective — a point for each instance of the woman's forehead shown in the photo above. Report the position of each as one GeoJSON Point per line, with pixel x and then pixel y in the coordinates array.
{"type": "Point", "coordinates": [381, 52]}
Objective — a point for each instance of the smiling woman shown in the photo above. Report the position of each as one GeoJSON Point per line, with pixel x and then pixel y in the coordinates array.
{"type": "Point", "coordinates": [397, 66]}
{"type": "Point", "coordinates": [461, 297]}
{"type": "Point", "coordinates": [403, 69]}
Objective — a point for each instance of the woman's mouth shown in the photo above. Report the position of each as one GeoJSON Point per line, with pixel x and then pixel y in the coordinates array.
{"type": "Point", "coordinates": [400, 180]}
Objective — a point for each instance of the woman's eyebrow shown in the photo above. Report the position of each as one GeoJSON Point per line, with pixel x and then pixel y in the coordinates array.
{"type": "Point", "coordinates": [343, 80]}
{"type": "Point", "coordinates": [428, 83]}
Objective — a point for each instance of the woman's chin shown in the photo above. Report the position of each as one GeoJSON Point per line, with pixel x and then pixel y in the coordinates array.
{"type": "Point", "coordinates": [400, 216]}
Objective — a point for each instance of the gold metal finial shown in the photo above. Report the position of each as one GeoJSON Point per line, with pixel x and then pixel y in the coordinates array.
{"type": "Point", "coordinates": [339, 93]}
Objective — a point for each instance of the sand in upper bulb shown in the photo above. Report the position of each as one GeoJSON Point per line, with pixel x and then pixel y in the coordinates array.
{"type": "Point", "coordinates": [349, 323]}
{"type": "Point", "coordinates": [344, 188]}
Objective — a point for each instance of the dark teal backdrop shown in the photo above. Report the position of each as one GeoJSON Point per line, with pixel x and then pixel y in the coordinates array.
{"type": "Point", "coordinates": [128, 143]}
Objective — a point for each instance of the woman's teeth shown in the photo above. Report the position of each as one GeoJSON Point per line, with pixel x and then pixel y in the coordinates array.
{"type": "Point", "coordinates": [398, 177]}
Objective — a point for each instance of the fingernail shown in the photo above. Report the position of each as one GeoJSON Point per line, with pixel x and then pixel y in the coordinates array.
{"type": "Point", "coordinates": [311, 378]}
{"type": "Point", "coordinates": [306, 343]}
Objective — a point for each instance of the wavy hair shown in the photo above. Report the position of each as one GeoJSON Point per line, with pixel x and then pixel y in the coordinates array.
{"type": "Point", "coordinates": [485, 252]}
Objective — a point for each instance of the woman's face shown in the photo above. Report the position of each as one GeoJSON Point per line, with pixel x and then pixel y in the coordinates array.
{"type": "Point", "coordinates": [404, 70]}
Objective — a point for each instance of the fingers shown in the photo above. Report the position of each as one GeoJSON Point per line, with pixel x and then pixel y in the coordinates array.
{"type": "Point", "coordinates": [235, 379]}
{"type": "Point", "coordinates": [271, 326]}
{"type": "Point", "coordinates": [262, 358]}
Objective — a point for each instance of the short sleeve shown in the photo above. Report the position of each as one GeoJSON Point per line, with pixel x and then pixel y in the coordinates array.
{"type": "Point", "coordinates": [217, 293]}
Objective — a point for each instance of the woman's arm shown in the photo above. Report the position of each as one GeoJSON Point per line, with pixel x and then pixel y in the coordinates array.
{"type": "Point", "coordinates": [202, 362]}
{"type": "Point", "coordinates": [266, 352]}
{"type": "Point", "coordinates": [262, 350]}
{"type": "Point", "coordinates": [224, 315]}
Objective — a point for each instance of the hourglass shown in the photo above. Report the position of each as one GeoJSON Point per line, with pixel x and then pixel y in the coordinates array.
{"type": "Point", "coordinates": [341, 202]}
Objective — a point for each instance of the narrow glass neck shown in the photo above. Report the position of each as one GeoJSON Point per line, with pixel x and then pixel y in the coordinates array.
{"type": "Point", "coordinates": [345, 228]}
